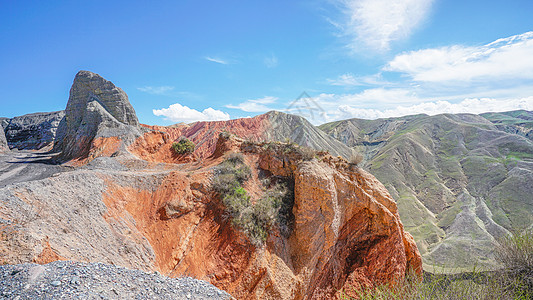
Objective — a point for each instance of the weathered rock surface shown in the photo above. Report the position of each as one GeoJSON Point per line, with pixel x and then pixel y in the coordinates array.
{"type": "Point", "coordinates": [32, 131]}
{"type": "Point", "coordinates": [164, 217]}
{"type": "Point", "coordinates": [89, 86]}
{"type": "Point", "coordinates": [3, 141]}
{"type": "Point", "coordinates": [98, 118]}
{"type": "Point", "coordinates": [272, 126]}
{"type": "Point", "coordinates": [107, 205]}
{"type": "Point", "coordinates": [460, 181]}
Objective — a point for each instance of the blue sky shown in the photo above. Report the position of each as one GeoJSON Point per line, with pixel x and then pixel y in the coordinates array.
{"type": "Point", "coordinates": [212, 60]}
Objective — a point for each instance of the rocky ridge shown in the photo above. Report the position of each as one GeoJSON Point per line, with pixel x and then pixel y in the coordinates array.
{"type": "Point", "coordinates": [518, 122]}
{"type": "Point", "coordinates": [272, 126]}
{"type": "Point", "coordinates": [161, 214]}
{"type": "Point", "coordinates": [32, 131]}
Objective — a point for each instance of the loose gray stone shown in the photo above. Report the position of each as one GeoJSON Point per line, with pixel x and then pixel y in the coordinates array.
{"type": "Point", "coordinates": [55, 283]}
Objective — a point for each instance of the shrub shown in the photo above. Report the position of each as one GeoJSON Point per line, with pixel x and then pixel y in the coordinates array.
{"type": "Point", "coordinates": [184, 146]}
{"type": "Point", "coordinates": [254, 218]}
{"type": "Point", "coordinates": [355, 158]}
{"type": "Point", "coordinates": [231, 171]}
{"type": "Point", "coordinates": [306, 152]}
{"type": "Point", "coordinates": [515, 252]}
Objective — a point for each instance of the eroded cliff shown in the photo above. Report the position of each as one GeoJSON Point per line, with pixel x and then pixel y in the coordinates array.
{"type": "Point", "coordinates": [166, 217]}
{"type": "Point", "coordinates": [145, 207]}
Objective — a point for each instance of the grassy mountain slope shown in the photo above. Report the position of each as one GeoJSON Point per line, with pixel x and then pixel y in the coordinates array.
{"type": "Point", "coordinates": [517, 122]}
{"type": "Point", "coordinates": [460, 180]}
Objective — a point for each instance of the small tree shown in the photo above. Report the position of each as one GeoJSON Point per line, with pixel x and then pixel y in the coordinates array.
{"type": "Point", "coordinates": [184, 146]}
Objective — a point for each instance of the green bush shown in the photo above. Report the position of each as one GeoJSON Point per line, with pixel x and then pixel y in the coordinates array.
{"type": "Point", "coordinates": [254, 218]}
{"type": "Point", "coordinates": [184, 146]}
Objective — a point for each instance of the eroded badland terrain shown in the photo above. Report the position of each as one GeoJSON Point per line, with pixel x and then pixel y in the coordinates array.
{"type": "Point", "coordinates": [92, 184]}
{"type": "Point", "coordinates": [104, 188]}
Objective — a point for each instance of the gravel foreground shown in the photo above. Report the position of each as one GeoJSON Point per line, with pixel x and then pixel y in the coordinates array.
{"type": "Point", "coordinates": [74, 280]}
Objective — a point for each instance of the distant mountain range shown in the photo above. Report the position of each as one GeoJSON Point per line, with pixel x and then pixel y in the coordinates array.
{"type": "Point", "coordinates": [460, 180]}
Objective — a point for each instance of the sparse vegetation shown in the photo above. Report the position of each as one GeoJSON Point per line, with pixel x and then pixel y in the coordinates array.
{"type": "Point", "coordinates": [305, 153]}
{"type": "Point", "coordinates": [183, 146]}
{"type": "Point", "coordinates": [355, 158]}
{"type": "Point", "coordinates": [255, 217]}
{"type": "Point", "coordinates": [514, 281]}
{"type": "Point", "coordinates": [515, 252]}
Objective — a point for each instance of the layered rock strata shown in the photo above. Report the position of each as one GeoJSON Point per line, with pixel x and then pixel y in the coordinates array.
{"type": "Point", "coordinates": [165, 217]}
{"type": "Point", "coordinates": [32, 131]}
{"type": "Point", "coordinates": [98, 118]}
{"type": "Point", "coordinates": [272, 126]}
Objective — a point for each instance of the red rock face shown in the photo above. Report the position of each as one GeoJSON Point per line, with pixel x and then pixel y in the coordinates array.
{"type": "Point", "coordinates": [347, 231]}
{"type": "Point", "coordinates": [155, 146]}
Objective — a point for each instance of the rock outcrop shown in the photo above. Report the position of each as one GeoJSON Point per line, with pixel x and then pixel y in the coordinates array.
{"type": "Point", "coordinates": [165, 217]}
{"type": "Point", "coordinates": [344, 234]}
{"type": "Point", "coordinates": [32, 131]}
{"type": "Point", "coordinates": [3, 141]}
{"type": "Point", "coordinates": [272, 126]}
{"type": "Point", "coordinates": [98, 118]}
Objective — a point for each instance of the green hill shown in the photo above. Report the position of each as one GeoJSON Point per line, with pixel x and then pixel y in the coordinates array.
{"type": "Point", "coordinates": [460, 181]}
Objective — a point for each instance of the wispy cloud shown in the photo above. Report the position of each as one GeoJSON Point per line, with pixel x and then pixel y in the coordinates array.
{"type": "Point", "coordinates": [350, 80]}
{"type": "Point", "coordinates": [156, 90]}
{"type": "Point", "coordinates": [217, 60]}
{"type": "Point", "coordinates": [271, 61]}
{"type": "Point", "coordinates": [377, 23]}
{"type": "Point", "coordinates": [180, 113]}
{"type": "Point", "coordinates": [377, 97]}
{"type": "Point", "coordinates": [507, 58]}
{"type": "Point", "coordinates": [255, 105]}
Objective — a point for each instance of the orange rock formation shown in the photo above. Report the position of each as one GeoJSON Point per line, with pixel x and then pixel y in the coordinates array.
{"type": "Point", "coordinates": [347, 231]}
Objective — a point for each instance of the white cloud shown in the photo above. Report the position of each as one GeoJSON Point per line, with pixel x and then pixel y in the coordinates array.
{"type": "Point", "coordinates": [271, 61]}
{"type": "Point", "coordinates": [375, 97]}
{"type": "Point", "coordinates": [376, 23]}
{"type": "Point", "coordinates": [255, 105]}
{"type": "Point", "coordinates": [344, 80]}
{"type": "Point", "coordinates": [472, 105]}
{"type": "Point", "coordinates": [350, 80]}
{"type": "Point", "coordinates": [180, 113]}
{"type": "Point", "coordinates": [156, 90]}
{"type": "Point", "coordinates": [217, 60]}
{"type": "Point", "coordinates": [505, 59]}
